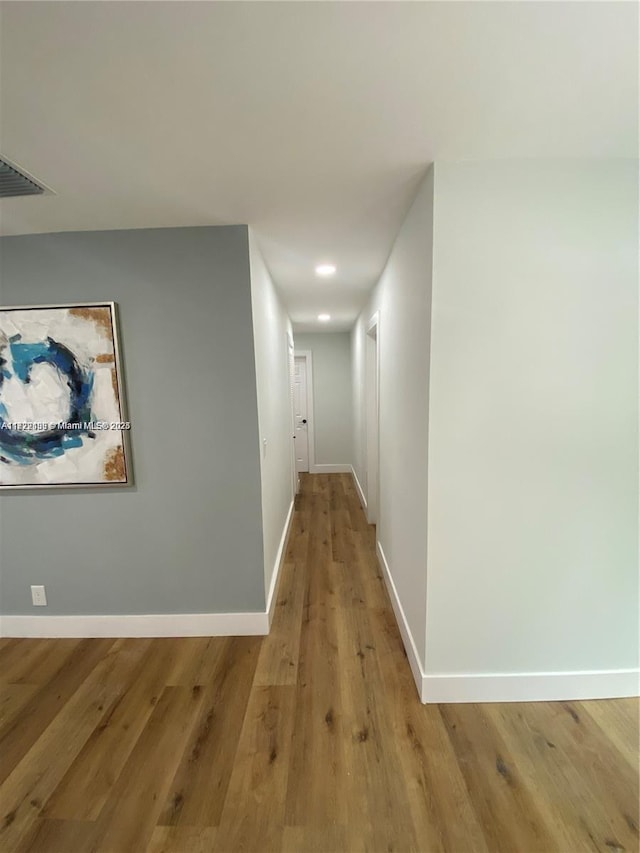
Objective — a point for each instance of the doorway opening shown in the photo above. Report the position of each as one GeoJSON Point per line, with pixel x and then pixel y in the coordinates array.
{"type": "Point", "coordinates": [372, 395]}
{"type": "Point", "coordinates": [303, 411]}
{"type": "Point", "coordinates": [292, 376]}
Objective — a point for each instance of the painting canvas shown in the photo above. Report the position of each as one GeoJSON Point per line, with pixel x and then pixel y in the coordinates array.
{"type": "Point", "coordinates": [62, 419]}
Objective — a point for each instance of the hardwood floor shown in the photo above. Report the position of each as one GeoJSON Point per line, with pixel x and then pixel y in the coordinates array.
{"type": "Point", "coordinates": [312, 739]}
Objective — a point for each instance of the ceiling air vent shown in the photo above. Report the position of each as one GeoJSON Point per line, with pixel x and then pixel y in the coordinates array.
{"type": "Point", "coordinates": [15, 183]}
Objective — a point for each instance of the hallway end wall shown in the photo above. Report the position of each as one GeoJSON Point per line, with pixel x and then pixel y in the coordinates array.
{"type": "Point", "coordinates": [332, 398]}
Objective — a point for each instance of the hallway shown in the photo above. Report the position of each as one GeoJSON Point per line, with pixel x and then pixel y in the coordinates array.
{"type": "Point", "coordinates": [312, 739]}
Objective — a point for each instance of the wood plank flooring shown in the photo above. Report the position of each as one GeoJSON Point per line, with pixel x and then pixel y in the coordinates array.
{"type": "Point", "coordinates": [312, 739]}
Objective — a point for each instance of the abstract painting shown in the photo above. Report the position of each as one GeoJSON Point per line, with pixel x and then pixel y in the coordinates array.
{"type": "Point", "coordinates": [62, 419]}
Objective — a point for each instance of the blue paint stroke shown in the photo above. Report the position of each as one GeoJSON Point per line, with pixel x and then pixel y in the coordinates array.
{"type": "Point", "coordinates": [24, 448]}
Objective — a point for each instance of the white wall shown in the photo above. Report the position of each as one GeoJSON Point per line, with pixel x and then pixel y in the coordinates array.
{"type": "Point", "coordinates": [533, 437]}
{"type": "Point", "coordinates": [271, 329]}
{"type": "Point", "coordinates": [332, 396]}
{"type": "Point", "coordinates": [403, 298]}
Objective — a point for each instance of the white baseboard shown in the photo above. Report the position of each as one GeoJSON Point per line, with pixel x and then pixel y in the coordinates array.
{"type": "Point", "coordinates": [275, 576]}
{"type": "Point", "coordinates": [155, 624]}
{"type": "Point", "coordinates": [363, 500]}
{"type": "Point", "coordinates": [143, 625]}
{"type": "Point", "coordinates": [532, 686]}
{"type": "Point", "coordinates": [507, 687]}
{"type": "Point", "coordinates": [403, 625]}
{"type": "Point", "coordinates": [335, 468]}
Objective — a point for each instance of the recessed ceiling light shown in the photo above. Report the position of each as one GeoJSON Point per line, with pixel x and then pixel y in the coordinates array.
{"type": "Point", "coordinates": [324, 318]}
{"type": "Point", "coordinates": [325, 269]}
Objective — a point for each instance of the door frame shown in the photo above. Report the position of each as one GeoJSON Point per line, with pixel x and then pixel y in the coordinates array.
{"type": "Point", "coordinates": [291, 368]}
{"type": "Point", "coordinates": [372, 417]}
{"type": "Point", "coordinates": [308, 356]}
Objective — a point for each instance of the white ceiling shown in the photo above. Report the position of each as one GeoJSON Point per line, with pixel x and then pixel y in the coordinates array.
{"type": "Point", "coordinates": [313, 122]}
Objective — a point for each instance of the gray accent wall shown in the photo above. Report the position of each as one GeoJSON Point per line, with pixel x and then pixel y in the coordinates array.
{"type": "Point", "coordinates": [187, 537]}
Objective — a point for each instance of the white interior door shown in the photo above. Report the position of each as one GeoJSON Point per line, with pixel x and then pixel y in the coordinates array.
{"type": "Point", "coordinates": [300, 414]}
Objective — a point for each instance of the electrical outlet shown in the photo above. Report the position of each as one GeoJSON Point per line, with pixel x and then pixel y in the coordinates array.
{"type": "Point", "coordinates": [38, 596]}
